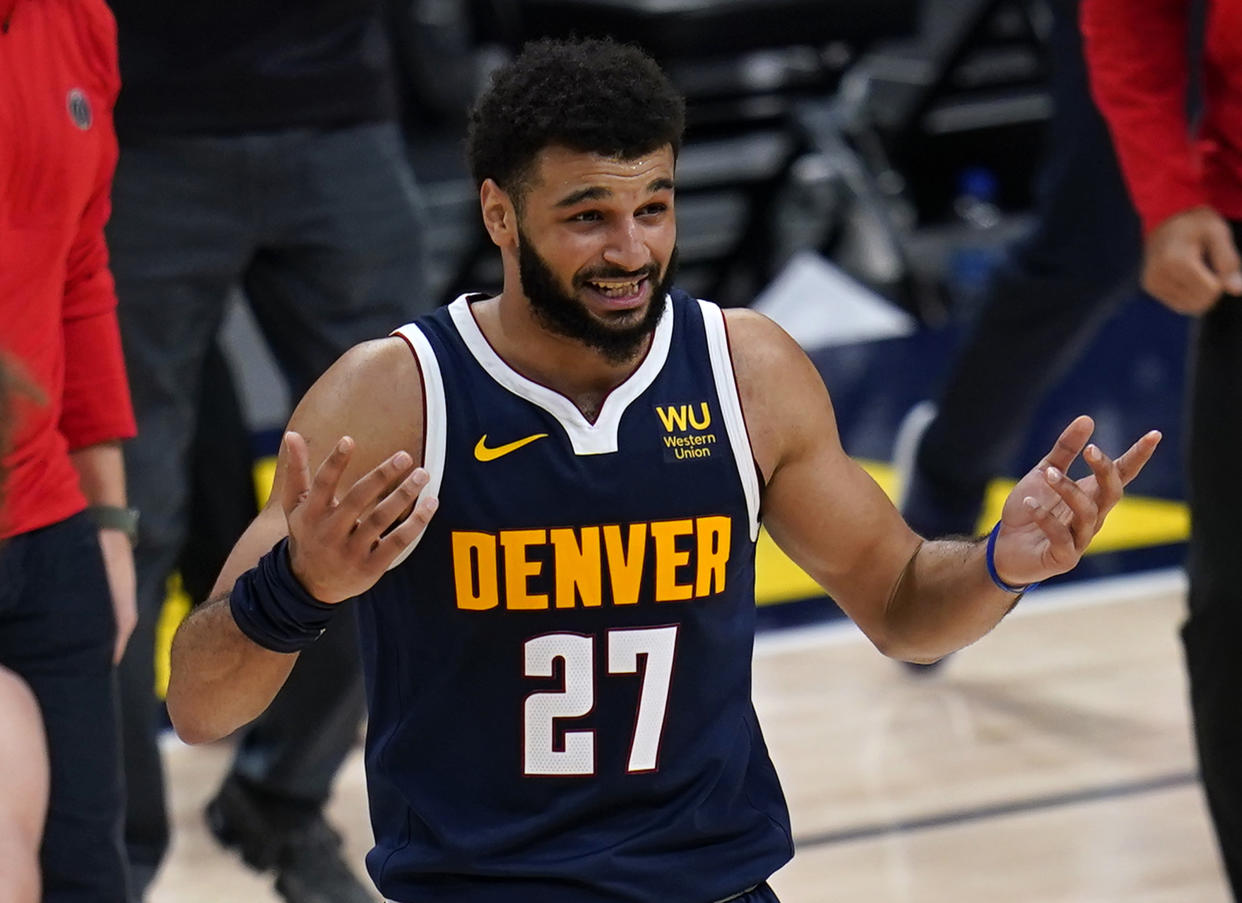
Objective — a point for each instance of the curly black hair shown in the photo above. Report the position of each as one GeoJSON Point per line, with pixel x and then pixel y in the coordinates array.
{"type": "Point", "coordinates": [589, 95]}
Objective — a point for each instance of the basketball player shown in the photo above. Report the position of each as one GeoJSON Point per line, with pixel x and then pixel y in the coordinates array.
{"type": "Point", "coordinates": [559, 663]}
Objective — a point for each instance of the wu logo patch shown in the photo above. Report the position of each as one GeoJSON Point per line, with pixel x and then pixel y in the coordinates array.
{"type": "Point", "coordinates": [79, 107]}
{"type": "Point", "coordinates": [677, 417]}
{"type": "Point", "coordinates": [686, 428]}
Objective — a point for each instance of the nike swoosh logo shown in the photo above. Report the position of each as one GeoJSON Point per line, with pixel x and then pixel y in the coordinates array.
{"type": "Point", "coordinates": [483, 453]}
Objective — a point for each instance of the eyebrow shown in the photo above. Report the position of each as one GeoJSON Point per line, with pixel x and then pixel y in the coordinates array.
{"type": "Point", "coordinates": [598, 192]}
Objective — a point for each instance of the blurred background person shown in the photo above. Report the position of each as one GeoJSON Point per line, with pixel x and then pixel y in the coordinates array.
{"type": "Point", "coordinates": [1187, 185]}
{"type": "Point", "coordinates": [66, 575]}
{"type": "Point", "coordinates": [259, 151]}
{"type": "Point", "coordinates": [1044, 302]}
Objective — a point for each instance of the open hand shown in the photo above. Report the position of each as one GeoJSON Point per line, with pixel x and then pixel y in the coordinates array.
{"type": "Point", "coordinates": [1048, 519]}
{"type": "Point", "coordinates": [339, 547]}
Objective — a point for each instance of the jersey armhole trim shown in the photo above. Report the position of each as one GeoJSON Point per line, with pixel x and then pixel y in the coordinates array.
{"type": "Point", "coordinates": [435, 417]}
{"type": "Point", "coordinates": [731, 408]}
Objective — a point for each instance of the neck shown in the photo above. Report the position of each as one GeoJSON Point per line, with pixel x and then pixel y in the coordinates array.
{"type": "Point", "coordinates": [571, 368]}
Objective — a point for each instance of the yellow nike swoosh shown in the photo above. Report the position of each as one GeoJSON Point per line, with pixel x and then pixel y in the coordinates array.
{"type": "Point", "coordinates": [483, 453]}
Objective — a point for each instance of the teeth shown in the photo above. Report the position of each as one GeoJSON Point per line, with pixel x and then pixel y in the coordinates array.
{"type": "Point", "coordinates": [616, 291]}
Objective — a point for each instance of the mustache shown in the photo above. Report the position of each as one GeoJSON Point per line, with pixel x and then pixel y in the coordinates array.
{"type": "Point", "coordinates": [650, 271]}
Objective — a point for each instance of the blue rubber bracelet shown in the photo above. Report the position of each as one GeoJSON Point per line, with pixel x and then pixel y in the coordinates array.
{"type": "Point", "coordinates": [991, 560]}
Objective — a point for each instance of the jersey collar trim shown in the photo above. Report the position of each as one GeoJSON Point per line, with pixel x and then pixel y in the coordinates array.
{"type": "Point", "coordinates": [586, 438]}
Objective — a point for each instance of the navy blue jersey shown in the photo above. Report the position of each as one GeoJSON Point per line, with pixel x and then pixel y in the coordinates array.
{"type": "Point", "coordinates": [559, 672]}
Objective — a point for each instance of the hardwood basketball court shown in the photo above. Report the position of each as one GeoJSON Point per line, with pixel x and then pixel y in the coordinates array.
{"type": "Point", "coordinates": [1049, 763]}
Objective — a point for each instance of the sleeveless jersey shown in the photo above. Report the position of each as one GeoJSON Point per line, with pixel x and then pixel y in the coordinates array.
{"type": "Point", "coordinates": [559, 672]}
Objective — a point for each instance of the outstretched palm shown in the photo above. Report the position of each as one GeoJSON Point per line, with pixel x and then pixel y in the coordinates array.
{"type": "Point", "coordinates": [1049, 519]}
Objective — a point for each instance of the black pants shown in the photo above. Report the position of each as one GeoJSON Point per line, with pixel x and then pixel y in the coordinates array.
{"type": "Point", "coordinates": [323, 231]}
{"type": "Point", "coordinates": [1047, 300]}
{"type": "Point", "coordinates": [57, 631]}
{"type": "Point", "coordinates": [1212, 635]}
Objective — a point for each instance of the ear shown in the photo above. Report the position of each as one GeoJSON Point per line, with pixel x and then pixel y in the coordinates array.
{"type": "Point", "coordinates": [499, 214]}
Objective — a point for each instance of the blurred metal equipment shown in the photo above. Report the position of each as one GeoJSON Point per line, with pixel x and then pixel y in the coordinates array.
{"type": "Point", "coordinates": [677, 29]}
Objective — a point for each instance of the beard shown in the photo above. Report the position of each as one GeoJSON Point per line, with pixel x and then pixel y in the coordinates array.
{"type": "Point", "coordinates": [615, 335]}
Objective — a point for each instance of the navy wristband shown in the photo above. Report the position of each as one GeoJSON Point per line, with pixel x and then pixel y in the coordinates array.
{"type": "Point", "coordinates": [990, 557]}
{"type": "Point", "coordinates": [273, 609]}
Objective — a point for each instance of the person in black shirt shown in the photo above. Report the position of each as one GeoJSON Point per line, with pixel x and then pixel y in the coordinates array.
{"type": "Point", "coordinates": [260, 151]}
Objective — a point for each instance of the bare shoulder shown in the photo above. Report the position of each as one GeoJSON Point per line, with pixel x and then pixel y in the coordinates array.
{"type": "Point", "coordinates": [374, 394]}
{"type": "Point", "coordinates": [782, 394]}
{"type": "Point", "coordinates": [759, 346]}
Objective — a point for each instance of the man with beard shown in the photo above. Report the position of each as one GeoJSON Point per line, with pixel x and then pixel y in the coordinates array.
{"type": "Point", "coordinates": [558, 664]}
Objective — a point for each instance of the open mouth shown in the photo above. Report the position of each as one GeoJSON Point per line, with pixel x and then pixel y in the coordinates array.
{"type": "Point", "coordinates": [620, 292]}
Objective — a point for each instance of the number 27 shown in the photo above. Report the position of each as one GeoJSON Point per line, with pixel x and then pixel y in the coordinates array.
{"type": "Point", "coordinates": [577, 653]}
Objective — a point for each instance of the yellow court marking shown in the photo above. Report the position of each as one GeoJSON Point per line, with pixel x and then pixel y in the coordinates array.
{"type": "Point", "coordinates": [1135, 523]}
{"type": "Point", "coordinates": [176, 606]}
{"type": "Point", "coordinates": [264, 473]}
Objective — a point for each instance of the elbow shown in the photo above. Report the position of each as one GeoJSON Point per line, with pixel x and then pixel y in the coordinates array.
{"type": "Point", "coordinates": [192, 724]}
{"type": "Point", "coordinates": [193, 733]}
{"type": "Point", "coordinates": [895, 644]}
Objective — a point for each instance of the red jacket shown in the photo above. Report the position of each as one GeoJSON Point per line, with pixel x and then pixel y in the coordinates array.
{"type": "Point", "coordinates": [1136, 55]}
{"type": "Point", "coordinates": [58, 83]}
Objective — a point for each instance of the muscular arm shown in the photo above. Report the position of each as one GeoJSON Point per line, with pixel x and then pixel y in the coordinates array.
{"type": "Point", "coordinates": [915, 600]}
{"type": "Point", "coordinates": [219, 678]}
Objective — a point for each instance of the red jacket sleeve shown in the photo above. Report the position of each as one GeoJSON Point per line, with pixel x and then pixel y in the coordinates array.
{"type": "Point", "coordinates": [96, 405]}
{"type": "Point", "coordinates": [1137, 60]}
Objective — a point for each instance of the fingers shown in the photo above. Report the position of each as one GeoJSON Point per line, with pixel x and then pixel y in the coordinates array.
{"type": "Point", "coordinates": [410, 529]}
{"type": "Point", "coordinates": [1083, 508]}
{"type": "Point", "coordinates": [372, 486]}
{"type": "Point", "coordinates": [1183, 282]}
{"type": "Point", "coordinates": [1061, 545]}
{"type": "Point", "coordinates": [1190, 259]}
{"type": "Point", "coordinates": [1109, 485]}
{"type": "Point", "coordinates": [1222, 256]}
{"type": "Point", "coordinates": [372, 526]}
{"type": "Point", "coordinates": [323, 490]}
{"type": "Point", "coordinates": [297, 481]}
{"type": "Point", "coordinates": [1069, 444]}
{"type": "Point", "coordinates": [1137, 455]}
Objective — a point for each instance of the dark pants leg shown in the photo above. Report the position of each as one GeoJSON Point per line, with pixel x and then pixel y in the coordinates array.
{"type": "Point", "coordinates": [56, 631]}
{"type": "Point", "coordinates": [222, 491]}
{"type": "Point", "coordinates": [179, 237]}
{"type": "Point", "coordinates": [1044, 304]}
{"type": "Point", "coordinates": [322, 229]}
{"type": "Point", "coordinates": [1213, 631]}
{"type": "Point", "coordinates": [343, 264]}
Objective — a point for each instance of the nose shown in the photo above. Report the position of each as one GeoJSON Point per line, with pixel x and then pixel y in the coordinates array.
{"type": "Point", "coordinates": [626, 248]}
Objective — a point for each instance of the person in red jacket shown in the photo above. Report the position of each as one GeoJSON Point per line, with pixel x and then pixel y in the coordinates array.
{"type": "Point", "coordinates": [66, 568]}
{"type": "Point", "coordinates": [1187, 185]}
